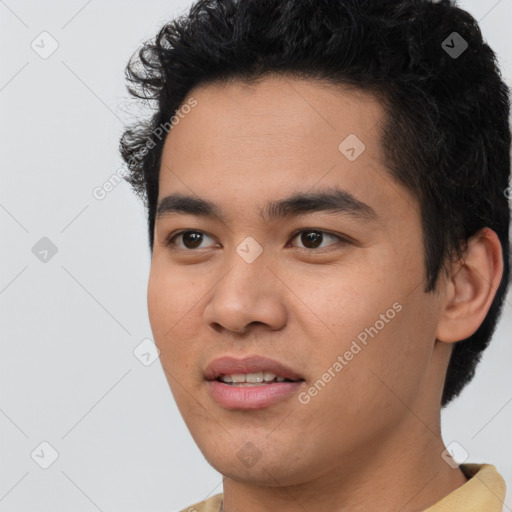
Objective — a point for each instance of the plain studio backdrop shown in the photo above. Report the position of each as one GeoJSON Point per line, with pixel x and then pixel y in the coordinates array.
{"type": "Point", "coordinates": [86, 422]}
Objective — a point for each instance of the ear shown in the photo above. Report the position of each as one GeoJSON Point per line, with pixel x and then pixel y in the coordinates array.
{"type": "Point", "coordinates": [471, 286]}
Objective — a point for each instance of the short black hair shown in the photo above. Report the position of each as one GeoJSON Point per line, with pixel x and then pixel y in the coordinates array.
{"type": "Point", "coordinates": [446, 135]}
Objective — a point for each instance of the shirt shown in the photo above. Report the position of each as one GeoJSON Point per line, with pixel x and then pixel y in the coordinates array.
{"type": "Point", "coordinates": [483, 492]}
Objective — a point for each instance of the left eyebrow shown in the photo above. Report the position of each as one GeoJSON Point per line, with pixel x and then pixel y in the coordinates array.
{"type": "Point", "coordinates": [332, 200]}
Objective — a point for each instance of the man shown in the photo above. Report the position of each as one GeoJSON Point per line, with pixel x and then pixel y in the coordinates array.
{"type": "Point", "coordinates": [328, 219]}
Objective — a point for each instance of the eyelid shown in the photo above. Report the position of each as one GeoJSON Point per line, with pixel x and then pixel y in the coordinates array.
{"type": "Point", "coordinates": [341, 239]}
{"type": "Point", "coordinates": [169, 241]}
{"type": "Point", "coordinates": [320, 230]}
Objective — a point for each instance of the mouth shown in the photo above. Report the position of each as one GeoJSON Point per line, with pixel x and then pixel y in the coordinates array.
{"type": "Point", "coordinates": [250, 383]}
{"type": "Point", "coordinates": [250, 370]}
{"type": "Point", "coordinates": [253, 379]}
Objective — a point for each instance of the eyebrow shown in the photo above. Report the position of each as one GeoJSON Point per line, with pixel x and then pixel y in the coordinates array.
{"type": "Point", "coordinates": [333, 200]}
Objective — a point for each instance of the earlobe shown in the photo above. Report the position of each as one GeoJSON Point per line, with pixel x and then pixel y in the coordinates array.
{"type": "Point", "coordinates": [471, 287]}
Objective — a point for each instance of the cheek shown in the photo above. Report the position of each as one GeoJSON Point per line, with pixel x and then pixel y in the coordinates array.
{"type": "Point", "coordinates": [371, 319]}
{"type": "Point", "coordinates": [161, 304]}
{"type": "Point", "coordinates": [373, 379]}
{"type": "Point", "coordinates": [393, 366]}
{"type": "Point", "coordinates": [342, 301]}
{"type": "Point", "coordinates": [170, 310]}
{"type": "Point", "coordinates": [172, 297]}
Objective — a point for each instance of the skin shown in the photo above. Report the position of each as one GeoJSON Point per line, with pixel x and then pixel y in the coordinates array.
{"type": "Point", "coordinates": [370, 439]}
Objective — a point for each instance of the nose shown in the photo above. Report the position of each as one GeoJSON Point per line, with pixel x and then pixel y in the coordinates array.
{"type": "Point", "coordinates": [248, 294]}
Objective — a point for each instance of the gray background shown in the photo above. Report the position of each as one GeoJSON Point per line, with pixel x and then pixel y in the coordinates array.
{"type": "Point", "coordinates": [69, 326]}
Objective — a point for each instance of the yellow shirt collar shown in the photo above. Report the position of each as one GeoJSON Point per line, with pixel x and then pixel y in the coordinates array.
{"type": "Point", "coordinates": [483, 492]}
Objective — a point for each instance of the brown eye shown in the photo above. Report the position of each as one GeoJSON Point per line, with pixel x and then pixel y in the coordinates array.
{"type": "Point", "coordinates": [190, 239]}
{"type": "Point", "coordinates": [312, 239]}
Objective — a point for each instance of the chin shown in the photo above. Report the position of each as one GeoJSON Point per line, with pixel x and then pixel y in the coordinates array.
{"type": "Point", "coordinates": [267, 466]}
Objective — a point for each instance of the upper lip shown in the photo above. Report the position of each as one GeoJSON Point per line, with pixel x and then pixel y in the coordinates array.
{"type": "Point", "coordinates": [253, 364]}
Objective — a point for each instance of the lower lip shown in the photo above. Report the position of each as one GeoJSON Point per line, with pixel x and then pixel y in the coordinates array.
{"type": "Point", "coordinates": [251, 397]}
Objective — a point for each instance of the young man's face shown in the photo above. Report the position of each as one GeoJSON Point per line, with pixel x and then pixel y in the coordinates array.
{"type": "Point", "coordinates": [348, 315]}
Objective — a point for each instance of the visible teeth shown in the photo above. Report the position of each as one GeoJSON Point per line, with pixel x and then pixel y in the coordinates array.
{"type": "Point", "coordinates": [254, 377]}
{"type": "Point", "coordinates": [251, 378]}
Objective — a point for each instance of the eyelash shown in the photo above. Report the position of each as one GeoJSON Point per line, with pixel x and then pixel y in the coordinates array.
{"type": "Point", "coordinates": [170, 241]}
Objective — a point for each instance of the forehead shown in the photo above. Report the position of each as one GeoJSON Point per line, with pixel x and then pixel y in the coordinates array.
{"type": "Point", "coordinates": [279, 107]}
{"type": "Point", "coordinates": [243, 142]}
